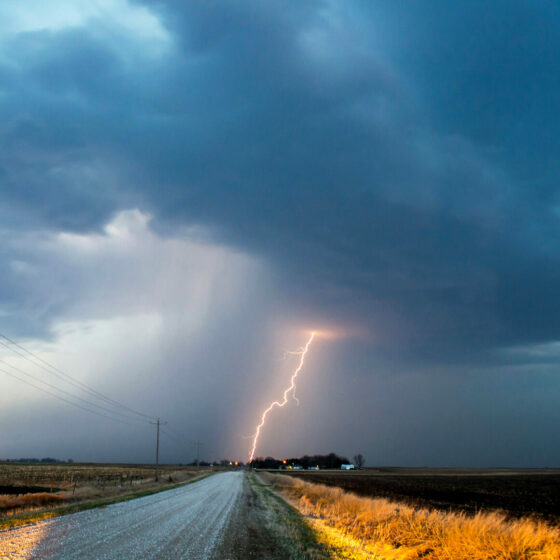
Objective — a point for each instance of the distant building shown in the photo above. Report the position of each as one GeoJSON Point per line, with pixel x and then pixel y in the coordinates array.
{"type": "Point", "coordinates": [347, 467]}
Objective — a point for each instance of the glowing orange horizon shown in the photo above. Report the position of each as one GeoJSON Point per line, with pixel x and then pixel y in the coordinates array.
{"type": "Point", "coordinates": [282, 403]}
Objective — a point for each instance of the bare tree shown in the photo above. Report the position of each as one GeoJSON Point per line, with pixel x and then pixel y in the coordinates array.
{"type": "Point", "coordinates": [359, 460]}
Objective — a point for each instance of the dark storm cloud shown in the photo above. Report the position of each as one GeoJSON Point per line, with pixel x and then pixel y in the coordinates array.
{"type": "Point", "coordinates": [293, 133]}
{"type": "Point", "coordinates": [393, 163]}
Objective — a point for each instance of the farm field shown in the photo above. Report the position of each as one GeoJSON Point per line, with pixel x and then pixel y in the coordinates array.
{"type": "Point", "coordinates": [34, 474]}
{"type": "Point", "coordinates": [355, 527]}
{"type": "Point", "coordinates": [231, 515]}
{"type": "Point", "coordinates": [32, 488]}
{"type": "Point", "coordinates": [519, 493]}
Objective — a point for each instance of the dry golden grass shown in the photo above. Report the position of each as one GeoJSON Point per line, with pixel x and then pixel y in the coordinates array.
{"type": "Point", "coordinates": [90, 483]}
{"type": "Point", "coordinates": [25, 501]}
{"type": "Point", "coordinates": [394, 531]}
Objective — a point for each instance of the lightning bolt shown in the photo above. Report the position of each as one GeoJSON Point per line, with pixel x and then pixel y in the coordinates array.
{"type": "Point", "coordinates": [280, 404]}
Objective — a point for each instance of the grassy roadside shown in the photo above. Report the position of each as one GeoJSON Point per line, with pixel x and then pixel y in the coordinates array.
{"type": "Point", "coordinates": [25, 518]}
{"type": "Point", "coordinates": [287, 527]}
{"type": "Point", "coordinates": [330, 542]}
{"type": "Point", "coordinates": [356, 528]}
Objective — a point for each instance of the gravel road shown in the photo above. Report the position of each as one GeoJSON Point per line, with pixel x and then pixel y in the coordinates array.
{"type": "Point", "coordinates": [187, 522]}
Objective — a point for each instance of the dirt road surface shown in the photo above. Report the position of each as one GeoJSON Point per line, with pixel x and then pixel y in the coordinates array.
{"type": "Point", "coordinates": [194, 522]}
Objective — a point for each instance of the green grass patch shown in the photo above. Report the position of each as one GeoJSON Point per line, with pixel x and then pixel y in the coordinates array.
{"type": "Point", "coordinates": [25, 518]}
{"type": "Point", "coordinates": [289, 529]}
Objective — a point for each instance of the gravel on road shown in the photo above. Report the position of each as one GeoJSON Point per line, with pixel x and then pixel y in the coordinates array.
{"type": "Point", "coordinates": [188, 522]}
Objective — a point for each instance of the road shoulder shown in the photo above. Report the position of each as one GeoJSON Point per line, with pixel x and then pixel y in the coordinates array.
{"type": "Point", "coordinates": [267, 527]}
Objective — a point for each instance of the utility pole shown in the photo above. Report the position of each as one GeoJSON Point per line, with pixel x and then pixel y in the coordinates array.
{"type": "Point", "coordinates": [158, 423]}
{"type": "Point", "coordinates": [198, 444]}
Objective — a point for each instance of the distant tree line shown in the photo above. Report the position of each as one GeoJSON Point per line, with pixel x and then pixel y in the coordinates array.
{"type": "Point", "coordinates": [330, 461]}
{"type": "Point", "coordinates": [36, 460]}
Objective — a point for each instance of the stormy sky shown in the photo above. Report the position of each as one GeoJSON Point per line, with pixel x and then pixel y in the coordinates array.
{"type": "Point", "coordinates": [187, 189]}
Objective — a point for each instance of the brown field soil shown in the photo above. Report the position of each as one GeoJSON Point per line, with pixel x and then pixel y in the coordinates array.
{"type": "Point", "coordinates": [517, 493]}
{"type": "Point", "coordinates": [36, 488]}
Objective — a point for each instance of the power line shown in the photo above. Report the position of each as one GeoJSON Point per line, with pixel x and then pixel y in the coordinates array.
{"type": "Point", "coordinates": [182, 443]}
{"type": "Point", "coordinates": [66, 377]}
{"type": "Point", "coordinates": [53, 370]}
{"type": "Point", "coordinates": [63, 399]}
{"type": "Point", "coordinates": [172, 437]}
{"type": "Point", "coordinates": [180, 438]}
{"type": "Point", "coordinates": [110, 411]}
{"type": "Point", "coordinates": [179, 435]}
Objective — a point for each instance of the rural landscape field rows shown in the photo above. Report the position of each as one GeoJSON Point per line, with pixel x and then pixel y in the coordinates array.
{"type": "Point", "coordinates": [366, 528]}
{"type": "Point", "coordinates": [517, 492]}
{"type": "Point", "coordinates": [268, 515]}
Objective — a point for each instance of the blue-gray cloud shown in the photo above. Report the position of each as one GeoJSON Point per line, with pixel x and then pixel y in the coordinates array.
{"type": "Point", "coordinates": [393, 164]}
